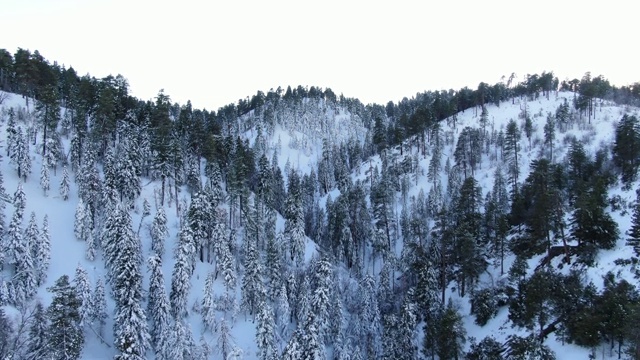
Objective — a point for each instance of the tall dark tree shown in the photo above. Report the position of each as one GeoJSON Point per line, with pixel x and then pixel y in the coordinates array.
{"type": "Point", "coordinates": [626, 148]}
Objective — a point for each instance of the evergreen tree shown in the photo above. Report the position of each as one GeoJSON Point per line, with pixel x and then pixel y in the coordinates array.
{"type": "Point", "coordinates": [592, 226]}
{"type": "Point", "coordinates": [252, 287]}
{"type": "Point", "coordinates": [99, 306]}
{"type": "Point", "coordinates": [265, 330]}
{"type": "Point", "coordinates": [20, 158]}
{"type": "Point", "coordinates": [38, 333]}
{"type": "Point", "coordinates": [226, 346]}
{"type": "Point", "coordinates": [549, 135]}
{"type": "Point", "coordinates": [64, 184]}
{"type": "Point", "coordinates": [208, 303]}
{"type": "Point", "coordinates": [294, 219]}
{"type": "Point", "coordinates": [83, 293]}
{"type": "Point", "coordinates": [6, 335]}
{"type": "Point", "coordinates": [45, 182]}
{"type": "Point", "coordinates": [511, 150]}
{"type": "Point", "coordinates": [79, 229]}
{"type": "Point", "coordinates": [487, 349]}
{"type": "Point", "coordinates": [65, 336]}
{"type": "Point", "coordinates": [451, 335]}
{"type": "Point", "coordinates": [626, 148]}
{"type": "Point", "coordinates": [130, 331]}
{"type": "Point", "coordinates": [158, 310]}
{"type": "Point", "coordinates": [159, 231]}
{"type": "Point", "coordinates": [633, 233]}
{"type": "Point", "coordinates": [182, 270]}
{"type": "Point", "coordinates": [43, 251]}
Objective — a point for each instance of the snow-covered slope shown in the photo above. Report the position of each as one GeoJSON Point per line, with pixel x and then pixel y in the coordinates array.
{"type": "Point", "coordinates": [301, 145]}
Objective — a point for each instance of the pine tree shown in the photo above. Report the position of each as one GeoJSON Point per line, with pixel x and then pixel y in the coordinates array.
{"type": "Point", "coordinates": [99, 306]}
{"type": "Point", "coordinates": [208, 303]}
{"type": "Point", "coordinates": [83, 293]}
{"type": "Point", "coordinates": [487, 349]}
{"type": "Point", "coordinates": [252, 287]}
{"type": "Point", "coordinates": [45, 183]}
{"type": "Point", "coordinates": [549, 135]}
{"type": "Point", "coordinates": [451, 335]}
{"type": "Point", "coordinates": [64, 184]}
{"type": "Point", "coordinates": [20, 158]}
{"type": "Point", "coordinates": [6, 335]}
{"type": "Point", "coordinates": [633, 233]}
{"type": "Point", "coordinates": [265, 330]}
{"type": "Point", "coordinates": [159, 231]}
{"type": "Point", "coordinates": [38, 333]}
{"type": "Point", "coordinates": [626, 148]}
{"type": "Point", "coordinates": [226, 346]}
{"type": "Point", "coordinates": [182, 270]}
{"type": "Point", "coordinates": [273, 266]}
{"type": "Point", "coordinates": [294, 219]}
{"type": "Point", "coordinates": [43, 251]}
{"type": "Point", "coordinates": [511, 150]}
{"type": "Point", "coordinates": [130, 331]}
{"type": "Point", "coordinates": [65, 336]}
{"type": "Point", "coordinates": [79, 224]}
{"type": "Point", "coordinates": [158, 310]}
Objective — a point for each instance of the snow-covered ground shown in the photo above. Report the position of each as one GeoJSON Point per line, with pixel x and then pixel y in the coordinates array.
{"type": "Point", "coordinates": [303, 151]}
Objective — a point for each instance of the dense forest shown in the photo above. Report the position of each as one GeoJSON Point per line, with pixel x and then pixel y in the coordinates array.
{"type": "Point", "coordinates": [327, 227]}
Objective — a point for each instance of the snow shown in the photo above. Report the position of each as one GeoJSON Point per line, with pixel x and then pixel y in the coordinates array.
{"type": "Point", "coordinates": [302, 148]}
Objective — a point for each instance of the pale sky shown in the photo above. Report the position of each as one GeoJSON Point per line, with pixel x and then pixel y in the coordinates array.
{"type": "Point", "coordinates": [216, 52]}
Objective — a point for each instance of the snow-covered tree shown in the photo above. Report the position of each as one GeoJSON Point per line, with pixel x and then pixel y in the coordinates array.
{"type": "Point", "coordinates": [208, 303]}
{"type": "Point", "coordinates": [252, 286]}
{"type": "Point", "coordinates": [99, 306]}
{"type": "Point", "coordinates": [131, 336]}
{"type": "Point", "coordinates": [65, 336]}
{"type": "Point", "coordinates": [294, 220]}
{"type": "Point", "coordinates": [43, 251]}
{"type": "Point", "coordinates": [182, 270]}
{"type": "Point", "coordinates": [159, 231]}
{"type": "Point", "coordinates": [158, 310]}
{"type": "Point", "coordinates": [265, 330]}
{"type": "Point", "coordinates": [64, 184]}
{"type": "Point", "coordinates": [83, 293]}
{"type": "Point", "coordinates": [36, 343]}
{"type": "Point", "coordinates": [226, 345]}
{"type": "Point", "coordinates": [19, 155]}
{"type": "Point", "coordinates": [79, 224]}
{"type": "Point", "coordinates": [45, 178]}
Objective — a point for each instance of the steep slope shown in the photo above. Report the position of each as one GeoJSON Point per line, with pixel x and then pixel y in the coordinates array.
{"type": "Point", "coordinates": [303, 137]}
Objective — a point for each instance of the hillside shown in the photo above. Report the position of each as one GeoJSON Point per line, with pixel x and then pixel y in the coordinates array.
{"type": "Point", "coordinates": [312, 227]}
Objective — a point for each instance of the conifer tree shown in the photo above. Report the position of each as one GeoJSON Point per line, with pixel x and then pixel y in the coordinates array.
{"type": "Point", "coordinates": [83, 293]}
{"type": "Point", "coordinates": [99, 306]}
{"type": "Point", "coordinates": [43, 251]}
{"type": "Point", "coordinates": [64, 184]}
{"type": "Point", "coordinates": [79, 223]}
{"type": "Point", "coordinates": [549, 135]}
{"type": "Point", "coordinates": [294, 219]}
{"type": "Point", "coordinates": [265, 330]}
{"type": "Point", "coordinates": [226, 346]}
{"type": "Point", "coordinates": [451, 335]}
{"type": "Point", "coordinates": [182, 270]}
{"type": "Point", "coordinates": [252, 287]}
{"type": "Point", "coordinates": [45, 182]}
{"type": "Point", "coordinates": [159, 231]}
{"type": "Point", "coordinates": [633, 233]}
{"type": "Point", "coordinates": [38, 333]}
{"type": "Point", "coordinates": [208, 303]}
{"type": "Point", "coordinates": [626, 148]}
{"type": "Point", "coordinates": [511, 150]}
{"type": "Point", "coordinates": [65, 336]}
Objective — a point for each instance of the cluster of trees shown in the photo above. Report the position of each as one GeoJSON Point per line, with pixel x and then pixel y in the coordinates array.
{"type": "Point", "coordinates": [360, 295]}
